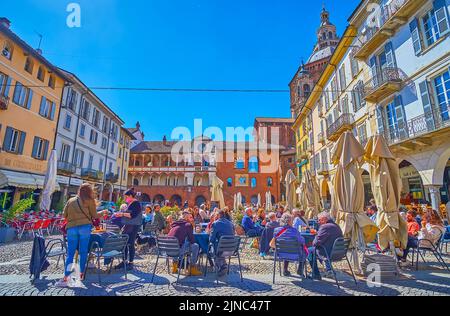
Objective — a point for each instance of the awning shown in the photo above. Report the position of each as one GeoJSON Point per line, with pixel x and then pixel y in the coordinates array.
{"type": "Point", "coordinates": [302, 163]}
{"type": "Point", "coordinates": [22, 180]}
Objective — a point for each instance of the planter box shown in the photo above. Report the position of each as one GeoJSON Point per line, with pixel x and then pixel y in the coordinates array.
{"type": "Point", "coordinates": [7, 234]}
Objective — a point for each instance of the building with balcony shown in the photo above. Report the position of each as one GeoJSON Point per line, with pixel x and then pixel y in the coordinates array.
{"type": "Point", "coordinates": [31, 89]}
{"type": "Point", "coordinates": [406, 44]}
{"type": "Point", "coordinates": [87, 142]}
{"type": "Point", "coordinates": [125, 143]}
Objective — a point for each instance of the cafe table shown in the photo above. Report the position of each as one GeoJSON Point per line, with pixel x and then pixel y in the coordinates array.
{"type": "Point", "coordinates": [99, 238]}
{"type": "Point", "coordinates": [309, 238]}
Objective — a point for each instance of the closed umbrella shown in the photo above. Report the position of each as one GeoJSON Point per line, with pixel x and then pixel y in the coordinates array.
{"type": "Point", "coordinates": [239, 200]}
{"type": "Point", "coordinates": [386, 187]}
{"type": "Point", "coordinates": [311, 194]}
{"type": "Point", "coordinates": [235, 202]}
{"type": "Point", "coordinates": [349, 194]}
{"type": "Point", "coordinates": [291, 198]}
{"type": "Point", "coordinates": [49, 183]}
{"type": "Point", "coordinates": [217, 191]}
{"type": "Point", "coordinates": [259, 200]}
{"type": "Point", "coordinates": [269, 206]}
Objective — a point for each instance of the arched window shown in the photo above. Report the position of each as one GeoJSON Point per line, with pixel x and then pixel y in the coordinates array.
{"type": "Point", "coordinates": [41, 73]}
{"type": "Point", "coordinates": [136, 182]}
{"type": "Point", "coordinates": [29, 64]}
{"type": "Point", "coordinates": [239, 163]}
{"type": "Point", "coordinates": [306, 90]}
{"type": "Point", "coordinates": [51, 81]}
{"type": "Point", "coordinates": [330, 35]}
{"type": "Point", "coordinates": [324, 36]}
{"type": "Point", "coordinates": [253, 164]}
{"type": "Point", "coordinates": [7, 50]}
{"type": "Point", "coordinates": [253, 183]}
{"type": "Point", "coordinates": [269, 182]}
{"type": "Point", "coordinates": [230, 182]}
{"type": "Point", "coordinates": [137, 163]}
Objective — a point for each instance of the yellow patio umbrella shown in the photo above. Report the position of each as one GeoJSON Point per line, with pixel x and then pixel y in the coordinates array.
{"type": "Point", "coordinates": [217, 191]}
{"type": "Point", "coordinates": [349, 194]}
{"type": "Point", "coordinates": [386, 187]}
{"type": "Point", "coordinates": [291, 198]}
{"type": "Point", "coordinates": [301, 196]}
{"type": "Point", "coordinates": [311, 194]}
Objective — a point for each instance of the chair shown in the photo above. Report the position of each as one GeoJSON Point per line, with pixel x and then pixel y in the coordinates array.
{"type": "Point", "coordinates": [45, 226]}
{"type": "Point", "coordinates": [113, 247]}
{"type": "Point", "coordinates": [338, 253]}
{"type": "Point", "coordinates": [286, 246]}
{"type": "Point", "coordinates": [53, 248]}
{"type": "Point", "coordinates": [445, 240]}
{"type": "Point", "coordinates": [434, 248]}
{"type": "Point", "coordinates": [169, 248]}
{"type": "Point", "coordinates": [227, 247]}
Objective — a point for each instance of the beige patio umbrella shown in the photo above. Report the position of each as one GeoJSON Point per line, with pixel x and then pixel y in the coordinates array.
{"type": "Point", "coordinates": [349, 194]}
{"type": "Point", "coordinates": [300, 196]}
{"type": "Point", "coordinates": [217, 191]}
{"type": "Point", "coordinates": [239, 200]}
{"type": "Point", "coordinates": [259, 200]}
{"type": "Point", "coordinates": [269, 206]}
{"type": "Point", "coordinates": [386, 187]}
{"type": "Point", "coordinates": [235, 206]}
{"type": "Point", "coordinates": [291, 198]}
{"type": "Point", "coordinates": [313, 203]}
{"type": "Point", "coordinates": [50, 182]}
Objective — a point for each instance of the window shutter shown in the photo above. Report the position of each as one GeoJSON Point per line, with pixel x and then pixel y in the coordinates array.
{"type": "Point", "coordinates": [380, 120]}
{"type": "Point", "coordinates": [42, 108]}
{"type": "Point", "coordinates": [45, 150]}
{"type": "Point", "coordinates": [16, 95]}
{"type": "Point", "coordinates": [415, 36]}
{"type": "Point", "coordinates": [401, 120]}
{"type": "Point", "coordinates": [52, 112]}
{"type": "Point", "coordinates": [22, 142]}
{"type": "Point", "coordinates": [373, 67]}
{"type": "Point", "coordinates": [441, 14]}
{"type": "Point", "coordinates": [390, 55]}
{"type": "Point", "coordinates": [7, 140]}
{"type": "Point", "coordinates": [7, 87]}
{"type": "Point", "coordinates": [34, 153]}
{"type": "Point", "coordinates": [426, 103]}
{"type": "Point", "coordinates": [30, 98]}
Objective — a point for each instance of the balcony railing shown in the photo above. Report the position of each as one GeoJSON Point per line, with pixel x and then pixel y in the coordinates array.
{"type": "Point", "coordinates": [111, 177]}
{"type": "Point", "coordinates": [305, 152]}
{"type": "Point", "coordinates": [383, 84]}
{"type": "Point", "coordinates": [4, 102]}
{"type": "Point", "coordinates": [343, 123]}
{"type": "Point", "coordinates": [91, 174]}
{"type": "Point", "coordinates": [321, 138]}
{"type": "Point", "coordinates": [387, 21]}
{"type": "Point", "coordinates": [420, 125]}
{"type": "Point", "coordinates": [323, 169]}
{"type": "Point", "coordinates": [66, 167]}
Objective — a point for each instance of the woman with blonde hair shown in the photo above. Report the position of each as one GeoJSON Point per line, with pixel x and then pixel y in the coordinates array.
{"type": "Point", "coordinates": [79, 213]}
{"type": "Point", "coordinates": [432, 229]}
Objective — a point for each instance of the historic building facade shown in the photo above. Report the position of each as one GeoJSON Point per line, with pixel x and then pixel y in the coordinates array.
{"type": "Point", "coordinates": [30, 98]}
{"type": "Point", "coordinates": [123, 158]}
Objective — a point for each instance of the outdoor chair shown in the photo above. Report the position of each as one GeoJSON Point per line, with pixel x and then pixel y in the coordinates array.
{"type": "Point", "coordinates": [53, 248]}
{"type": "Point", "coordinates": [45, 226]}
{"type": "Point", "coordinates": [169, 248]}
{"type": "Point", "coordinates": [113, 247]}
{"type": "Point", "coordinates": [57, 225]}
{"type": "Point", "coordinates": [338, 253]}
{"type": "Point", "coordinates": [445, 240]}
{"type": "Point", "coordinates": [227, 247]}
{"type": "Point", "coordinates": [287, 246]}
{"type": "Point", "coordinates": [433, 248]}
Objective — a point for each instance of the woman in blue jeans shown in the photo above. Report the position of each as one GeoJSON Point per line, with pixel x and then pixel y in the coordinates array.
{"type": "Point", "coordinates": [79, 213]}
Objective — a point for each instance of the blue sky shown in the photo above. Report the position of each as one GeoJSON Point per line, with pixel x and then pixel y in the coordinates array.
{"type": "Point", "coordinates": [212, 44]}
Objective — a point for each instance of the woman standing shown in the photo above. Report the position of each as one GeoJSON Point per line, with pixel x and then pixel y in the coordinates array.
{"type": "Point", "coordinates": [132, 220]}
{"type": "Point", "coordinates": [79, 213]}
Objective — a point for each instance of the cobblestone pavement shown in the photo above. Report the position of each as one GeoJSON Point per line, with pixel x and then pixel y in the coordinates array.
{"type": "Point", "coordinates": [14, 281]}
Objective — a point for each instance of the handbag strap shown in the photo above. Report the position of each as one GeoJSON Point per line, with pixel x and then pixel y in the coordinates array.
{"type": "Point", "coordinates": [81, 209]}
{"type": "Point", "coordinates": [281, 232]}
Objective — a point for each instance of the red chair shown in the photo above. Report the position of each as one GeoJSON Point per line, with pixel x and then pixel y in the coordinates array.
{"type": "Point", "coordinates": [26, 227]}
{"type": "Point", "coordinates": [37, 227]}
{"type": "Point", "coordinates": [45, 226]}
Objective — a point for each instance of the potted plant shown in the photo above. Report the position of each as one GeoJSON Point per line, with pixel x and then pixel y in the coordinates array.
{"type": "Point", "coordinates": [7, 233]}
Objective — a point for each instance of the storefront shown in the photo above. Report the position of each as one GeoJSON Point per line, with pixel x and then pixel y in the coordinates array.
{"type": "Point", "coordinates": [413, 190]}
{"type": "Point", "coordinates": [445, 190]}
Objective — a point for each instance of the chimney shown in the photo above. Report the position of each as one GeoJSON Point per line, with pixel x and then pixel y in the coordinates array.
{"type": "Point", "coordinates": [164, 140]}
{"type": "Point", "coordinates": [5, 22]}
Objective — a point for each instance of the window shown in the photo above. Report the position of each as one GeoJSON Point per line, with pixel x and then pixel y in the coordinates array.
{"type": "Point", "coordinates": [342, 79]}
{"type": "Point", "coordinates": [253, 182]}
{"type": "Point", "coordinates": [110, 167]}
{"type": "Point", "coordinates": [82, 132]}
{"type": "Point", "coordinates": [86, 110]}
{"type": "Point", "coordinates": [96, 118]}
{"type": "Point", "coordinates": [105, 125]}
{"type": "Point", "coordinates": [100, 164]}
{"type": "Point", "coordinates": [23, 96]}
{"type": "Point", "coordinates": [51, 81]}
{"type": "Point", "coordinates": [7, 50]}
{"type": "Point", "coordinates": [253, 164]}
{"type": "Point", "coordinates": [358, 96]}
{"type": "Point", "coordinates": [354, 65]}
{"type": "Point", "coordinates": [29, 64]}
{"type": "Point", "coordinates": [442, 88]}
{"type": "Point", "coordinates": [79, 158]}
{"type": "Point", "coordinates": [362, 134]}
{"type": "Point", "coordinates": [5, 84]}
{"type": "Point", "coordinates": [14, 141]}
{"type": "Point", "coordinates": [306, 90]}
{"type": "Point", "coordinates": [120, 153]}
{"type": "Point", "coordinates": [68, 122]}
{"type": "Point", "coordinates": [242, 181]}
{"type": "Point", "coordinates": [229, 182]}
{"type": "Point", "coordinates": [334, 89]}
{"type": "Point", "coordinates": [93, 138]}
{"type": "Point", "coordinates": [72, 100]}
{"type": "Point", "coordinates": [345, 108]}
{"type": "Point", "coordinates": [40, 148]}
{"type": "Point", "coordinates": [114, 131]}
{"type": "Point", "coordinates": [41, 73]}
{"type": "Point", "coordinates": [47, 108]}
{"type": "Point", "coordinates": [435, 23]}
{"type": "Point", "coordinates": [91, 161]}
{"type": "Point", "coordinates": [430, 28]}
{"type": "Point", "coordinates": [269, 182]}
{"type": "Point", "coordinates": [126, 156]}
{"type": "Point", "coordinates": [239, 163]}
{"type": "Point", "coordinates": [65, 153]}
{"type": "Point", "coordinates": [327, 100]}
{"type": "Point", "coordinates": [112, 148]}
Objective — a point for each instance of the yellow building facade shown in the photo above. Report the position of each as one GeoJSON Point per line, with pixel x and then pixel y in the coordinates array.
{"type": "Point", "coordinates": [30, 98]}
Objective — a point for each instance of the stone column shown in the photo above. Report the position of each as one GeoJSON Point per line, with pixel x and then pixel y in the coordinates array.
{"type": "Point", "coordinates": [435, 196]}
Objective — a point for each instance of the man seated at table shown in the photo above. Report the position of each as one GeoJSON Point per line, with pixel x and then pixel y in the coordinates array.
{"type": "Point", "coordinates": [413, 232]}
{"type": "Point", "coordinates": [158, 219]}
{"type": "Point", "coordinates": [299, 221]}
{"type": "Point", "coordinates": [183, 230]}
{"type": "Point", "coordinates": [267, 234]}
{"type": "Point", "coordinates": [221, 227]}
{"type": "Point", "coordinates": [325, 238]}
{"type": "Point", "coordinates": [251, 230]}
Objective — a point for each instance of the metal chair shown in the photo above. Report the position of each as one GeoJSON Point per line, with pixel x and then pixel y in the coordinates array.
{"type": "Point", "coordinates": [113, 247]}
{"type": "Point", "coordinates": [290, 247]}
{"type": "Point", "coordinates": [227, 247]}
{"type": "Point", "coordinates": [445, 240]}
{"type": "Point", "coordinates": [169, 248]}
{"type": "Point", "coordinates": [53, 248]}
{"type": "Point", "coordinates": [338, 253]}
{"type": "Point", "coordinates": [434, 248]}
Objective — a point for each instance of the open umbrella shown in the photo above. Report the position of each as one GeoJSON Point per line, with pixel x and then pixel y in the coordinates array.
{"type": "Point", "coordinates": [386, 187]}
{"type": "Point", "coordinates": [50, 182]}
{"type": "Point", "coordinates": [311, 194]}
{"type": "Point", "coordinates": [349, 194]}
{"type": "Point", "coordinates": [291, 198]}
{"type": "Point", "coordinates": [217, 191]}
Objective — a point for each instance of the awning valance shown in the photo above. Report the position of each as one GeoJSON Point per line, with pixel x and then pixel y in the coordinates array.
{"type": "Point", "coordinates": [22, 180]}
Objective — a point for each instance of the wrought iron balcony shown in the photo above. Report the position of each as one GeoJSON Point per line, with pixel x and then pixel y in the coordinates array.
{"type": "Point", "coordinates": [91, 174]}
{"type": "Point", "coordinates": [66, 167]}
{"type": "Point", "coordinates": [343, 123]}
{"type": "Point", "coordinates": [4, 102]}
{"type": "Point", "coordinates": [385, 83]}
{"type": "Point", "coordinates": [111, 177]}
{"type": "Point", "coordinates": [305, 152]}
{"type": "Point", "coordinates": [387, 21]}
